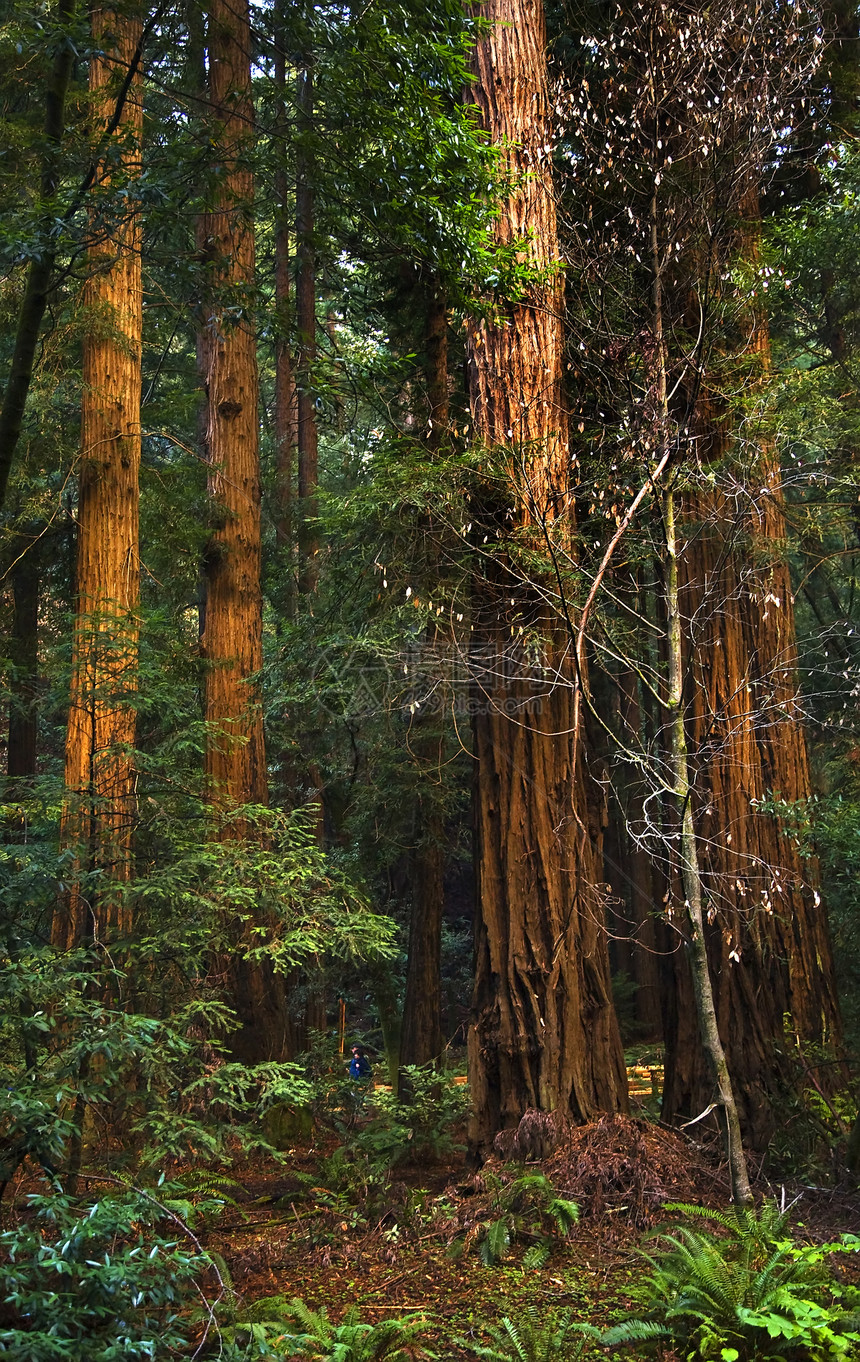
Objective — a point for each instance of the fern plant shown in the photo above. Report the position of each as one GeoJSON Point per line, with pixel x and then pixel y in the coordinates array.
{"type": "Point", "coordinates": [534, 1337]}
{"type": "Point", "coordinates": [274, 1327]}
{"type": "Point", "coordinates": [526, 1209]}
{"type": "Point", "coordinates": [744, 1292]}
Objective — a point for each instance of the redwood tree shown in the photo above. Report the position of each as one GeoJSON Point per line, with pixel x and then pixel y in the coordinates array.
{"type": "Point", "coordinates": [231, 641]}
{"type": "Point", "coordinates": [101, 726]}
{"type": "Point", "coordinates": [672, 162]}
{"type": "Point", "coordinates": [543, 1032]}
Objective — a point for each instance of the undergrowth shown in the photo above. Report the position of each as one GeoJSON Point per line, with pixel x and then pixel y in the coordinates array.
{"type": "Point", "coordinates": [742, 1290]}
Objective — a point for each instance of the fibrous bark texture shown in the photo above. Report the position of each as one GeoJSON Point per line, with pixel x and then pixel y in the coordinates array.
{"type": "Point", "coordinates": [231, 641]}
{"type": "Point", "coordinates": [101, 727]}
{"type": "Point", "coordinates": [232, 637]}
{"type": "Point", "coordinates": [543, 1032]}
{"type": "Point", "coordinates": [421, 1039]}
{"type": "Point", "coordinates": [768, 940]}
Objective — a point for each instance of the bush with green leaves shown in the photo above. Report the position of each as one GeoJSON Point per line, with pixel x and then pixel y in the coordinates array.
{"type": "Point", "coordinates": [421, 1125]}
{"type": "Point", "coordinates": [744, 1291]}
{"type": "Point", "coordinates": [102, 1278]}
{"type": "Point", "coordinates": [528, 1210]}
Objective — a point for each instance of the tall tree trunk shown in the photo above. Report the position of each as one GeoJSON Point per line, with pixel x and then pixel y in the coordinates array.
{"type": "Point", "coordinates": [632, 875]}
{"type": "Point", "coordinates": [235, 762]}
{"type": "Point", "coordinates": [691, 877]}
{"type": "Point", "coordinates": [543, 1032]}
{"type": "Point", "coordinates": [422, 1040]}
{"type": "Point", "coordinates": [307, 333]}
{"type": "Point", "coordinates": [24, 656]}
{"type": "Point", "coordinates": [285, 383]}
{"type": "Point", "coordinates": [101, 728]}
{"type": "Point", "coordinates": [768, 942]}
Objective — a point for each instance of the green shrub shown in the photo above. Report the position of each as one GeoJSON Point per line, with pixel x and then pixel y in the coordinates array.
{"type": "Point", "coordinates": [102, 1280]}
{"type": "Point", "coordinates": [744, 1291]}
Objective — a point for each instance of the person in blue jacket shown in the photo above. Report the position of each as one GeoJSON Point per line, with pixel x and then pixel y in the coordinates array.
{"type": "Point", "coordinates": [359, 1065]}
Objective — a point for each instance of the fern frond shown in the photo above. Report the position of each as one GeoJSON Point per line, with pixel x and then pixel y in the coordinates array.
{"type": "Point", "coordinates": [634, 1331]}
{"type": "Point", "coordinates": [537, 1256]}
{"type": "Point", "coordinates": [495, 1242]}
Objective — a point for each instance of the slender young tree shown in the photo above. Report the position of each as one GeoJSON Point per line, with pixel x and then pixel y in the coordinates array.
{"type": "Point", "coordinates": [22, 745]}
{"type": "Point", "coordinates": [101, 726]}
{"type": "Point", "coordinates": [543, 1033]}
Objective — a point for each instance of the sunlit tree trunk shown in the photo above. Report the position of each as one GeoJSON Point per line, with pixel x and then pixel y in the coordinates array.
{"type": "Point", "coordinates": [543, 1032]}
{"type": "Point", "coordinates": [101, 728]}
{"type": "Point", "coordinates": [235, 763]}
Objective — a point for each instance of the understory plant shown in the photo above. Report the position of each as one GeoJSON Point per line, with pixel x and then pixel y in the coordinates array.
{"type": "Point", "coordinates": [276, 1327]}
{"type": "Point", "coordinates": [102, 1277]}
{"type": "Point", "coordinates": [527, 1209]}
{"type": "Point", "coordinates": [537, 1336]}
{"type": "Point", "coordinates": [742, 1290]}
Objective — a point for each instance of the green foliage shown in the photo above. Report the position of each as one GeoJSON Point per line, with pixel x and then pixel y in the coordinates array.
{"type": "Point", "coordinates": [101, 1279]}
{"type": "Point", "coordinates": [274, 1327]}
{"type": "Point", "coordinates": [419, 1126]}
{"type": "Point", "coordinates": [536, 1336]}
{"type": "Point", "coordinates": [526, 1210]}
{"type": "Point", "coordinates": [744, 1292]}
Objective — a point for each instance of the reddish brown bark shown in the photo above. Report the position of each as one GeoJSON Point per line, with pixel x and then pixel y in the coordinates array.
{"type": "Point", "coordinates": [101, 728]}
{"type": "Point", "coordinates": [768, 941]}
{"type": "Point", "coordinates": [769, 944]}
{"type": "Point", "coordinates": [543, 1032]}
{"type": "Point", "coordinates": [231, 643]}
{"type": "Point", "coordinates": [232, 638]}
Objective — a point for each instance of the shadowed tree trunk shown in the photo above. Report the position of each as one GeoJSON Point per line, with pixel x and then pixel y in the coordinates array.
{"type": "Point", "coordinates": [41, 268]}
{"type": "Point", "coordinates": [99, 774]}
{"type": "Point", "coordinates": [635, 886]}
{"type": "Point", "coordinates": [768, 939]}
{"type": "Point", "coordinates": [24, 657]}
{"type": "Point", "coordinates": [543, 1032]}
{"type": "Point", "coordinates": [285, 383]}
{"type": "Point", "coordinates": [307, 333]}
{"type": "Point", "coordinates": [422, 1040]}
{"type": "Point", "coordinates": [231, 643]}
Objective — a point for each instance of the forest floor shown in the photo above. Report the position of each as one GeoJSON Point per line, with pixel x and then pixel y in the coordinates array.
{"type": "Point", "coordinates": [390, 1254]}
{"type": "Point", "coordinates": [320, 1222]}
